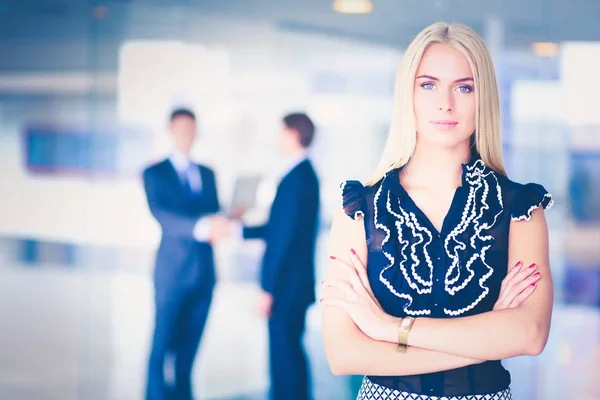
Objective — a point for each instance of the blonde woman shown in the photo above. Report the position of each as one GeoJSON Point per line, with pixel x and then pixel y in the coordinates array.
{"type": "Point", "coordinates": [439, 264]}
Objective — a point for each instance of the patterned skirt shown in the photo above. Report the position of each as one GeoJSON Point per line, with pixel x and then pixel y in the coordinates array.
{"type": "Point", "coordinates": [373, 391]}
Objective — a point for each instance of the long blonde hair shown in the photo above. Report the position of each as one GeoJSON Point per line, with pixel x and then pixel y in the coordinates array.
{"type": "Point", "coordinates": [402, 137]}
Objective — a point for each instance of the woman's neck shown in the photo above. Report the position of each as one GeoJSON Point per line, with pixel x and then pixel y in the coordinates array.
{"type": "Point", "coordinates": [438, 166]}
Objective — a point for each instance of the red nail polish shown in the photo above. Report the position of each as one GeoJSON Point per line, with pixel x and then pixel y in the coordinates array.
{"type": "Point", "coordinates": [537, 274]}
{"type": "Point", "coordinates": [353, 252]}
{"type": "Point", "coordinates": [320, 300]}
{"type": "Point", "coordinates": [332, 257]}
{"type": "Point", "coordinates": [517, 265]}
{"type": "Point", "coordinates": [532, 265]}
{"type": "Point", "coordinates": [532, 285]}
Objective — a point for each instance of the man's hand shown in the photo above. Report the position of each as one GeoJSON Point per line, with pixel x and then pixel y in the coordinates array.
{"type": "Point", "coordinates": [265, 304]}
{"type": "Point", "coordinates": [220, 228]}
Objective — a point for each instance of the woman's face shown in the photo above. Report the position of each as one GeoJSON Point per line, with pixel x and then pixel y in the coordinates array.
{"type": "Point", "coordinates": [444, 97]}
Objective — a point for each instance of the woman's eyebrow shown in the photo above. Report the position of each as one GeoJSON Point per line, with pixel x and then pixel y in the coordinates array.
{"type": "Point", "coordinates": [433, 78]}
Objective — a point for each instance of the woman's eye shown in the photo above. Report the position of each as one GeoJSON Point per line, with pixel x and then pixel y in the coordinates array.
{"type": "Point", "coordinates": [427, 85]}
{"type": "Point", "coordinates": [465, 89]}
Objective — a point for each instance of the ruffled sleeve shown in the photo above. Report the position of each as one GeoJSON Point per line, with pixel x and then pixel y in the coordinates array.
{"type": "Point", "coordinates": [530, 197]}
{"type": "Point", "coordinates": [353, 199]}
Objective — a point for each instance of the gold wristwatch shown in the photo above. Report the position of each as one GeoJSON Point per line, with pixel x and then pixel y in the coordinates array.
{"type": "Point", "coordinates": [403, 330]}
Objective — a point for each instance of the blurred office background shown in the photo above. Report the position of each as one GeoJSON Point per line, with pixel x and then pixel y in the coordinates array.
{"type": "Point", "coordinates": [85, 91]}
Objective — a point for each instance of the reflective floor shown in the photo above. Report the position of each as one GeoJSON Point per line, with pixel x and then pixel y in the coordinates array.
{"type": "Point", "coordinates": [83, 333]}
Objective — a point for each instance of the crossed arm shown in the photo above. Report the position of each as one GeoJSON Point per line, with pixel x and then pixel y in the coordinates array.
{"type": "Point", "coordinates": [360, 338]}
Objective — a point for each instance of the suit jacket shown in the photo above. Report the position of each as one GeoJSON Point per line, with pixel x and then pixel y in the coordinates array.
{"type": "Point", "coordinates": [181, 261]}
{"type": "Point", "coordinates": [288, 267]}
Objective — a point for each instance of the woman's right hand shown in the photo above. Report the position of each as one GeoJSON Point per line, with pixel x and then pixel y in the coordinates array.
{"type": "Point", "coordinates": [517, 286]}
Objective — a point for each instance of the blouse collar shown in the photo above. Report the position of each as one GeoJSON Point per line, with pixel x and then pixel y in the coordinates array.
{"type": "Point", "coordinates": [472, 172]}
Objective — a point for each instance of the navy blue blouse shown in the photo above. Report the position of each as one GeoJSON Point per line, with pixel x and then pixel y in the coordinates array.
{"type": "Point", "coordinates": [414, 270]}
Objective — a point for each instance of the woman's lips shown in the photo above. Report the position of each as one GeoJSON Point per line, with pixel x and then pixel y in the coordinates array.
{"type": "Point", "coordinates": [444, 124]}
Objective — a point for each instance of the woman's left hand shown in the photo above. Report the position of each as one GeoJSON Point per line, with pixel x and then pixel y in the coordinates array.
{"type": "Point", "coordinates": [357, 300]}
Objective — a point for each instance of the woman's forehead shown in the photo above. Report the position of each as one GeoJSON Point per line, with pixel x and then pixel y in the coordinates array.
{"type": "Point", "coordinates": [443, 62]}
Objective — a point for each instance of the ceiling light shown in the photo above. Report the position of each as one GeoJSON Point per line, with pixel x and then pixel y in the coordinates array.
{"type": "Point", "coordinates": [545, 49]}
{"type": "Point", "coordinates": [353, 6]}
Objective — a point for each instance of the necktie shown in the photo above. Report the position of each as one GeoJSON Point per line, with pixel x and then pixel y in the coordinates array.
{"type": "Point", "coordinates": [187, 184]}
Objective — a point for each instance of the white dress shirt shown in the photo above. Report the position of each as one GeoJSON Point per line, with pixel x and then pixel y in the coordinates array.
{"type": "Point", "coordinates": [187, 170]}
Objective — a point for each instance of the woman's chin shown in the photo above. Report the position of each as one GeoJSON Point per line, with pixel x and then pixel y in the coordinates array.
{"type": "Point", "coordinates": [445, 140]}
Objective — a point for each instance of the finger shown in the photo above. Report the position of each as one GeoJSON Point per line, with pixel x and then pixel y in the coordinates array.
{"type": "Point", "coordinates": [343, 305]}
{"type": "Point", "coordinates": [513, 271]}
{"type": "Point", "coordinates": [352, 275]}
{"type": "Point", "coordinates": [511, 274]}
{"type": "Point", "coordinates": [525, 273]}
{"type": "Point", "coordinates": [345, 287]}
{"type": "Point", "coordinates": [498, 306]}
{"type": "Point", "coordinates": [361, 271]}
{"type": "Point", "coordinates": [501, 303]}
{"type": "Point", "coordinates": [518, 288]}
{"type": "Point", "coordinates": [524, 295]}
{"type": "Point", "coordinates": [518, 278]}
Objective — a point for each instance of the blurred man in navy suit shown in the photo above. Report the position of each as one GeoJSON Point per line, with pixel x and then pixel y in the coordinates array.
{"type": "Point", "coordinates": [288, 270]}
{"type": "Point", "coordinates": [182, 197]}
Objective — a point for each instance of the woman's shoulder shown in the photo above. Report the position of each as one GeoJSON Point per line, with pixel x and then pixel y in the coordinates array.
{"type": "Point", "coordinates": [523, 198]}
{"type": "Point", "coordinates": [355, 197]}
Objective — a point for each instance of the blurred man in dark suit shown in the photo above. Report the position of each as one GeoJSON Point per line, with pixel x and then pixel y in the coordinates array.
{"type": "Point", "coordinates": [288, 268]}
{"type": "Point", "coordinates": [182, 197]}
